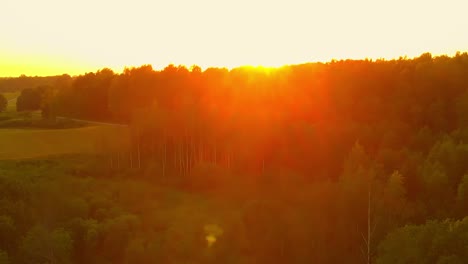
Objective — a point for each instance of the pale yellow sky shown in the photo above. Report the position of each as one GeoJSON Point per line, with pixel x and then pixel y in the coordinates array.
{"type": "Point", "coordinates": [64, 36]}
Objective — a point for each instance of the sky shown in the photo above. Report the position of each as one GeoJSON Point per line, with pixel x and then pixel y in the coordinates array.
{"type": "Point", "coordinates": [49, 37]}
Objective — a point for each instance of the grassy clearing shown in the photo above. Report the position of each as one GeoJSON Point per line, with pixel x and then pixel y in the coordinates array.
{"type": "Point", "coordinates": [14, 120]}
{"type": "Point", "coordinates": [32, 143]}
{"type": "Point", "coordinates": [11, 97]}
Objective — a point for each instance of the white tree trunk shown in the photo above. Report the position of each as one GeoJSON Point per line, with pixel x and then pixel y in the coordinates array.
{"type": "Point", "coordinates": [138, 153]}
{"type": "Point", "coordinates": [215, 153]}
{"type": "Point", "coordinates": [367, 239]}
{"type": "Point", "coordinates": [164, 159]}
{"type": "Point", "coordinates": [131, 159]}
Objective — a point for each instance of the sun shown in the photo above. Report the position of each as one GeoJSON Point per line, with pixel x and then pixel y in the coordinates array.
{"type": "Point", "coordinates": [215, 34]}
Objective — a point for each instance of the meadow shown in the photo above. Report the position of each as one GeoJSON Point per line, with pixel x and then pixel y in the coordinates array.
{"type": "Point", "coordinates": [33, 143]}
{"type": "Point", "coordinates": [26, 135]}
{"type": "Point", "coordinates": [11, 97]}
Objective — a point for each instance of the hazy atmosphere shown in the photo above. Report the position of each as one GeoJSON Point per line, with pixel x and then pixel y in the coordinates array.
{"type": "Point", "coordinates": [63, 36]}
{"type": "Point", "coordinates": [250, 132]}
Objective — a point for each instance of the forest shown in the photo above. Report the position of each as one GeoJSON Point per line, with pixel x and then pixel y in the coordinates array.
{"type": "Point", "coordinates": [349, 161]}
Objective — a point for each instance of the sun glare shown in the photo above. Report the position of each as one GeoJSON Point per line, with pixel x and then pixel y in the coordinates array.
{"type": "Point", "coordinates": [54, 37]}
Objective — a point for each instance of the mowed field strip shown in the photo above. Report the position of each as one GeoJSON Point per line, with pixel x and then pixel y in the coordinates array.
{"type": "Point", "coordinates": [11, 97]}
{"type": "Point", "coordinates": [32, 143]}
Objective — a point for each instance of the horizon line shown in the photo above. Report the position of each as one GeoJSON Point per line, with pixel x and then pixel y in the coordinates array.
{"type": "Point", "coordinates": [230, 68]}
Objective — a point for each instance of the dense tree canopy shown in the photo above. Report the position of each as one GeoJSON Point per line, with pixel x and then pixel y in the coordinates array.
{"type": "Point", "coordinates": [301, 117]}
{"type": "Point", "coordinates": [29, 100]}
{"type": "Point", "coordinates": [347, 161]}
{"type": "Point", "coordinates": [434, 242]}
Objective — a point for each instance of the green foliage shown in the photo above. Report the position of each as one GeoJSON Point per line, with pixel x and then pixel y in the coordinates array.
{"type": "Point", "coordinates": [452, 157]}
{"type": "Point", "coordinates": [56, 214]}
{"type": "Point", "coordinates": [395, 187]}
{"type": "Point", "coordinates": [29, 100]}
{"type": "Point", "coordinates": [462, 195]}
{"type": "Point", "coordinates": [4, 257]}
{"type": "Point", "coordinates": [452, 259]}
{"type": "Point", "coordinates": [434, 242]}
{"type": "Point", "coordinates": [8, 233]}
{"type": "Point", "coordinates": [3, 103]}
{"type": "Point", "coordinates": [462, 110]}
{"type": "Point", "coordinates": [300, 164]}
{"type": "Point", "coordinates": [394, 203]}
{"type": "Point", "coordinates": [136, 252]}
{"type": "Point", "coordinates": [116, 235]}
{"type": "Point", "coordinates": [207, 177]}
{"type": "Point", "coordinates": [359, 176]}
{"type": "Point", "coordinates": [46, 246]}
{"type": "Point", "coordinates": [85, 236]}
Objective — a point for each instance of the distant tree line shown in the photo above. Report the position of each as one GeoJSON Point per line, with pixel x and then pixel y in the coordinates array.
{"type": "Point", "coordinates": [303, 118]}
{"type": "Point", "coordinates": [14, 84]}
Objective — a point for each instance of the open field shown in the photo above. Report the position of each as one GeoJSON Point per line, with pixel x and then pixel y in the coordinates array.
{"type": "Point", "coordinates": [32, 143]}
{"type": "Point", "coordinates": [11, 97]}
